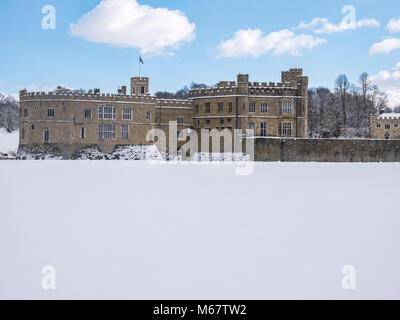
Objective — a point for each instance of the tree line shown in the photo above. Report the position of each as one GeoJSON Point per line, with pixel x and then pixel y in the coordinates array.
{"type": "Point", "coordinates": [345, 110]}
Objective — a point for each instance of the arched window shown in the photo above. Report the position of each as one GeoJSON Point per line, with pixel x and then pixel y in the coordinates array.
{"type": "Point", "coordinates": [46, 135]}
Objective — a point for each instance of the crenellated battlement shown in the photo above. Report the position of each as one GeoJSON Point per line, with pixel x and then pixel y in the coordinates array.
{"type": "Point", "coordinates": [289, 88]}
{"type": "Point", "coordinates": [174, 102]}
{"type": "Point", "coordinates": [214, 91]}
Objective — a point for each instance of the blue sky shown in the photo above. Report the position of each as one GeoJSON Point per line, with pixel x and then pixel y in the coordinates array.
{"type": "Point", "coordinates": [36, 58]}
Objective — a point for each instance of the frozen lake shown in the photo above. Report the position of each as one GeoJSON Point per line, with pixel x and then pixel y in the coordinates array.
{"type": "Point", "coordinates": [134, 230]}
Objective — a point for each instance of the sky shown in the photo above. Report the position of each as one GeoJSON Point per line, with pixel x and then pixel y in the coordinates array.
{"type": "Point", "coordinates": [96, 44]}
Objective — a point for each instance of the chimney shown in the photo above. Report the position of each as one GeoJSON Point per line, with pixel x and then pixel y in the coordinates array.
{"type": "Point", "coordinates": [123, 90]}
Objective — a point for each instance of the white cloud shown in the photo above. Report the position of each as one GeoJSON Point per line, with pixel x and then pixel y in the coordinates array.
{"type": "Point", "coordinates": [389, 82]}
{"type": "Point", "coordinates": [385, 46]}
{"type": "Point", "coordinates": [252, 42]}
{"type": "Point", "coordinates": [394, 25]}
{"type": "Point", "coordinates": [323, 26]}
{"type": "Point", "coordinates": [127, 23]}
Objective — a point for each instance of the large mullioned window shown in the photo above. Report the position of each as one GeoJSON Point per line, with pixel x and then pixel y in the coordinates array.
{"type": "Point", "coordinates": [252, 107]}
{"type": "Point", "coordinates": [126, 114]}
{"type": "Point", "coordinates": [263, 107]}
{"type": "Point", "coordinates": [285, 129]}
{"type": "Point", "coordinates": [106, 131]}
{"type": "Point", "coordinates": [106, 112]}
{"type": "Point", "coordinates": [285, 107]}
{"type": "Point", "coordinates": [88, 113]}
{"type": "Point", "coordinates": [263, 131]}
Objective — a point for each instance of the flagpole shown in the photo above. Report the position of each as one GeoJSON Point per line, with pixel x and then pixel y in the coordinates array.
{"type": "Point", "coordinates": [139, 68]}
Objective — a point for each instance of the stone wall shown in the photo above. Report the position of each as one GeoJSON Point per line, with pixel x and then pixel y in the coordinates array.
{"type": "Point", "coordinates": [327, 150]}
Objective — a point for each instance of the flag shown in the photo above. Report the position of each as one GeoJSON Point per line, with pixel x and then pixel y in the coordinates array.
{"type": "Point", "coordinates": [141, 60]}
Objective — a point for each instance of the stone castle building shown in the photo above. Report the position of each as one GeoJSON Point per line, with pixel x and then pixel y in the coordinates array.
{"type": "Point", "coordinates": [107, 120]}
{"type": "Point", "coordinates": [385, 126]}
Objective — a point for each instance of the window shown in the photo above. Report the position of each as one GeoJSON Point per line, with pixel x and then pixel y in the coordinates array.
{"type": "Point", "coordinates": [252, 107]}
{"type": "Point", "coordinates": [229, 120]}
{"type": "Point", "coordinates": [83, 133]}
{"type": "Point", "coordinates": [378, 125]}
{"type": "Point", "coordinates": [396, 125]}
{"type": "Point", "coordinates": [207, 108]}
{"type": "Point", "coordinates": [33, 127]}
{"type": "Point", "coordinates": [142, 90]}
{"type": "Point", "coordinates": [50, 113]}
{"type": "Point", "coordinates": [46, 135]}
{"type": "Point", "coordinates": [263, 130]}
{"type": "Point", "coordinates": [23, 133]}
{"type": "Point", "coordinates": [126, 114]}
{"type": "Point", "coordinates": [180, 121]}
{"type": "Point", "coordinates": [263, 107]}
{"type": "Point", "coordinates": [285, 107]}
{"type": "Point", "coordinates": [285, 129]}
{"type": "Point", "coordinates": [125, 132]}
{"type": "Point", "coordinates": [230, 107]}
{"type": "Point", "coordinates": [106, 112]}
{"type": "Point", "coordinates": [148, 115]}
{"type": "Point", "coordinates": [25, 113]}
{"type": "Point", "coordinates": [197, 108]}
{"type": "Point", "coordinates": [88, 113]}
{"type": "Point", "coordinates": [387, 126]}
{"type": "Point", "coordinates": [106, 131]}
{"type": "Point", "coordinates": [220, 107]}
{"type": "Point", "coordinates": [221, 121]}
{"type": "Point", "coordinates": [207, 121]}
{"type": "Point", "coordinates": [252, 125]}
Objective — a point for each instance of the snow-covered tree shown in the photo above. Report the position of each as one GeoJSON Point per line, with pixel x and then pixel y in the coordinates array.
{"type": "Point", "coordinates": [9, 113]}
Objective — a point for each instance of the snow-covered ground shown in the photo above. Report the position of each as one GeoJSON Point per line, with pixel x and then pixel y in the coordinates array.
{"type": "Point", "coordinates": [130, 229]}
{"type": "Point", "coordinates": [9, 142]}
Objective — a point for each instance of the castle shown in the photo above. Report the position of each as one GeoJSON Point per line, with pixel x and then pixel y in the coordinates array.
{"type": "Point", "coordinates": [107, 120]}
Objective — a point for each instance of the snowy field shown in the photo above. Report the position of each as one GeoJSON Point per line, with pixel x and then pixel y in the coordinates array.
{"type": "Point", "coordinates": [134, 230]}
{"type": "Point", "coordinates": [9, 142]}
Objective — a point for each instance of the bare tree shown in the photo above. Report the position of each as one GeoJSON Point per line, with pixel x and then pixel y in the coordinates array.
{"type": "Point", "coordinates": [342, 86]}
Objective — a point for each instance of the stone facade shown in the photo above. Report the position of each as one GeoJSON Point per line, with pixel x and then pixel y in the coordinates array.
{"type": "Point", "coordinates": [107, 120]}
{"type": "Point", "coordinates": [385, 126]}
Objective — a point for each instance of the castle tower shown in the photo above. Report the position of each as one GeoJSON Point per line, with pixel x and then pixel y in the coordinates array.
{"type": "Point", "coordinates": [243, 83]}
{"type": "Point", "coordinates": [242, 101]}
{"type": "Point", "coordinates": [139, 85]}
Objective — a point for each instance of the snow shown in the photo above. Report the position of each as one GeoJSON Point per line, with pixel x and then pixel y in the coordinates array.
{"type": "Point", "coordinates": [391, 115]}
{"type": "Point", "coordinates": [9, 142]}
{"type": "Point", "coordinates": [136, 230]}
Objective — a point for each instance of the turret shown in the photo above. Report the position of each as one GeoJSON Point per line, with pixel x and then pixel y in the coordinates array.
{"type": "Point", "coordinates": [139, 85]}
{"type": "Point", "coordinates": [243, 83]}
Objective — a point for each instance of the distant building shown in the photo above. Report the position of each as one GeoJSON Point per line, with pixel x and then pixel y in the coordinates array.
{"type": "Point", "coordinates": [75, 119]}
{"type": "Point", "coordinates": [385, 126]}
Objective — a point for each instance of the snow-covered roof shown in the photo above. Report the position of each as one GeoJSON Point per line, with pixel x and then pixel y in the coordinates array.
{"type": "Point", "coordinates": [389, 116]}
